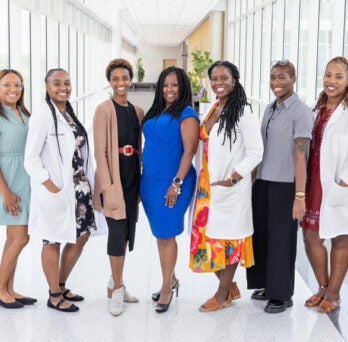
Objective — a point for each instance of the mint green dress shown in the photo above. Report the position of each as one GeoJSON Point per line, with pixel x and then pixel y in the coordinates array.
{"type": "Point", "coordinates": [13, 136]}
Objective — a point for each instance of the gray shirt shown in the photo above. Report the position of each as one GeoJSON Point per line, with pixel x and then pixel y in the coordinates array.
{"type": "Point", "coordinates": [280, 126]}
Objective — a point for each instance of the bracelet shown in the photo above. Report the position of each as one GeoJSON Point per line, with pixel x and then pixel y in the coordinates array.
{"type": "Point", "coordinates": [177, 188]}
{"type": "Point", "coordinates": [300, 194]}
{"type": "Point", "coordinates": [300, 198]}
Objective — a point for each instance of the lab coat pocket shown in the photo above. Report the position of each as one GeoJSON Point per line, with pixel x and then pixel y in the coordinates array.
{"type": "Point", "coordinates": [110, 198]}
{"type": "Point", "coordinates": [337, 195]}
{"type": "Point", "coordinates": [53, 203]}
{"type": "Point", "coordinates": [224, 197]}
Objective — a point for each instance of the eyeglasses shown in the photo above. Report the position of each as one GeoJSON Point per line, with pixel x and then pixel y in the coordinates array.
{"type": "Point", "coordinates": [281, 62]}
{"type": "Point", "coordinates": [9, 85]}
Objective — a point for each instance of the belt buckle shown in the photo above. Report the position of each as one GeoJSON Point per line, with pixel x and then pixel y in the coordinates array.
{"type": "Point", "coordinates": [128, 150]}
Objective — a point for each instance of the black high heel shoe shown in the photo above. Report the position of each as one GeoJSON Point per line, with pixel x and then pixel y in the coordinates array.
{"type": "Point", "coordinates": [156, 295]}
{"type": "Point", "coordinates": [160, 308]}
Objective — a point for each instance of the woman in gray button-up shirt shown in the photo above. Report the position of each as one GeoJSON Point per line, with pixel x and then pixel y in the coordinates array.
{"type": "Point", "coordinates": [278, 192]}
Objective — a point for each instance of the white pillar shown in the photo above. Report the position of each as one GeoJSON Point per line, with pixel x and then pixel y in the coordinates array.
{"type": "Point", "coordinates": [216, 35]}
{"type": "Point", "coordinates": [116, 34]}
{"type": "Point", "coordinates": [15, 35]}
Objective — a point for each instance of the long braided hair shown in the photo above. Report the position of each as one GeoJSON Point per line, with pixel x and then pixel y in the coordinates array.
{"type": "Point", "coordinates": [70, 111]}
{"type": "Point", "coordinates": [185, 95]}
{"type": "Point", "coordinates": [20, 102]}
{"type": "Point", "coordinates": [323, 96]}
{"type": "Point", "coordinates": [234, 106]}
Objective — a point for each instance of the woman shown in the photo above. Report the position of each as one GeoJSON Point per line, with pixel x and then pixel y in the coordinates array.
{"type": "Point", "coordinates": [277, 197]}
{"type": "Point", "coordinates": [230, 148]}
{"type": "Point", "coordinates": [326, 216]}
{"type": "Point", "coordinates": [117, 141]}
{"type": "Point", "coordinates": [171, 130]}
{"type": "Point", "coordinates": [59, 163]}
{"type": "Point", "coordinates": [14, 183]}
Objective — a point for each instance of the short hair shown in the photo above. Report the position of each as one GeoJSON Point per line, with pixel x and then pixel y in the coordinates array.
{"type": "Point", "coordinates": [285, 64]}
{"type": "Point", "coordinates": [118, 63]}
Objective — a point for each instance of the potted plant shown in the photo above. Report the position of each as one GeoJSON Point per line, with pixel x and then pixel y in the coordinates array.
{"type": "Point", "coordinates": [201, 62]}
{"type": "Point", "coordinates": [139, 70]}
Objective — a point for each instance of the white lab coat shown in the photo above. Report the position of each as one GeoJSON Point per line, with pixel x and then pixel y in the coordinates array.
{"type": "Point", "coordinates": [333, 168]}
{"type": "Point", "coordinates": [52, 215]}
{"type": "Point", "coordinates": [230, 212]}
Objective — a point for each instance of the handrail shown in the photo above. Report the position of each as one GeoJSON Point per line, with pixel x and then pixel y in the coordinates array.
{"type": "Point", "coordinates": [79, 98]}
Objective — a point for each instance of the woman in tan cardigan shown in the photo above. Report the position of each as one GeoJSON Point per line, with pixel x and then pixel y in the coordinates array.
{"type": "Point", "coordinates": [117, 142]}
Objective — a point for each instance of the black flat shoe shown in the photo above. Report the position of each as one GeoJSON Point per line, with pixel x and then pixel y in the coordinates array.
{"type": "Point", "coordinates": [71, 308]}
{"type": "Point", "coordinates": [75, 298]}
{"type": "Point", "coordinates": [14, 305]}
{"type": "Point", "coordinates": [160, 308]}
{"type": "Point", "coordinates": [259, 294]}
{"type": "Point", "coordinates": [26, 300]}
{"type": "Point", "coordinates": [276, 306]}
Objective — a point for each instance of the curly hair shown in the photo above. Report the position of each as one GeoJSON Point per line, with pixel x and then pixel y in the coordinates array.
{"type": "Point", "coordinates": [323, 96]}
{"type": "Point", "coordinates": [235, 104]}
{"type": "Point", "coordinates": [20, 102]}
{"type": "Point", "coordinates": [118, 63]}
{"type": "Point", "coordinates": [184, 100]}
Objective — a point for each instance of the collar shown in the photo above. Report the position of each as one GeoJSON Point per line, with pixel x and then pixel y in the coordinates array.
{"type": "Point", "coordinates": [289, 101]}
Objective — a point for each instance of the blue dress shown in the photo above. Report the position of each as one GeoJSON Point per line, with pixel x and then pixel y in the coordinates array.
{"type": "Point", "coordinates": [161, 159]}
{"type": "Point", "coordinates": [13, 136]}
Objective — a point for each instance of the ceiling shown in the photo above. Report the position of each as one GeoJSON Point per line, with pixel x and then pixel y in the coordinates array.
{"type": "Point", "coordinates": [164, 22]}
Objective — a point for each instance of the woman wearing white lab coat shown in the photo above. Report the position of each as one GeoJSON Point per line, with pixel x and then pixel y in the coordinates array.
{"type": "Point", "coordinates": [230, 148]}
{"type": "Point", "coordinates": [58, 161]}
{"type": "Point", "coordinates": [327, 188]}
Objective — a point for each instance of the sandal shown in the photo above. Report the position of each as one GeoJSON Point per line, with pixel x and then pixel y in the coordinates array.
{"type": "Point", "coordinates": [327, 307]}
{"type": "Point", "coordinates": [71, 308]}
{"type": "Point", "coordinates": [75, 298]}
{"type": "Point", "coordinates": [213, 305]}
{"type": "Point", "coordinates": [235, 294]}
{"type": "Point", "coordinates": [316, 299]}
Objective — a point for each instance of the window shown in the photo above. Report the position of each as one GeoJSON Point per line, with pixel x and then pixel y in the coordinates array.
{"type": "Point", "coordinates": [4, 39]}
{"type": "Point", "coordinates": [324, 40]}
{"type": "Point", "coordinates": [303, 49]}
{"type": "Point", "coordinates": [25, 56]}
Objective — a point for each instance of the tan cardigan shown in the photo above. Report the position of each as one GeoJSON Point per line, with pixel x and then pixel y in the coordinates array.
{"type": "Point", "coordinates": [107, 175]}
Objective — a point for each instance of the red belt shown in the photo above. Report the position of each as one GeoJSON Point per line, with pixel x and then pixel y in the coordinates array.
{"type": "Point", "coordinates": [127, 150]}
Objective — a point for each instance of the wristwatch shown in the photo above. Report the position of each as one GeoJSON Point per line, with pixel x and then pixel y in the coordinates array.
{"type": "Point", "coordinates": [177, 181]}
{"type": "Point", "coordinates": [233, 180]}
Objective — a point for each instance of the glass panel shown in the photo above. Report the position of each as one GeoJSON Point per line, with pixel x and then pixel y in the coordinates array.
{"type": "Point", "coordinates": [25, 56]}
{"type": "Point", "coordinates": [324, 40]}
{"type": "Point", "coordinates": [264, 91]}
{"type": "Point", "coordinates": [287, 30]}
{"type": "Point", "coordinates": [303, 49]}
{"type": "Point", "coordinates": [345, 51]}
{"type": "Point", "coordinates": [4, 60]}
{"type": "Point", "coordinates": [43, 44]}
{"type": "Point", "coordinates": [256, 55]}
{"type": "Point", "coordinates": [72, 62]}
{"type": "Point", "coordinates": [274, 31]}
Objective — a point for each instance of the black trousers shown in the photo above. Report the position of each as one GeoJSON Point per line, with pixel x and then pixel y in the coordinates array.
{"type": "Point", "coordinates": [274, 239]}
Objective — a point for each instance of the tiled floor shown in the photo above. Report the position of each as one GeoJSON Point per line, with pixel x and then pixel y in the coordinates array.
{"type": "Point", "coordinates": [244, 321]}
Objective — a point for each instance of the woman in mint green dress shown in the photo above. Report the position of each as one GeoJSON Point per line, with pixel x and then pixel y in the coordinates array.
{"type": "Point", "coordinates": [14, 183]}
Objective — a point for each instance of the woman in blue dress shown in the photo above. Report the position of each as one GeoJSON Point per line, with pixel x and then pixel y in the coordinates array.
{"type": "Point", "coordinates": [14, 183]}
{"type": "Point", "coordinates": [171, 130]}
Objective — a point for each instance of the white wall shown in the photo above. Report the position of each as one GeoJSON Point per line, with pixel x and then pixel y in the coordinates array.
{"type": "Point", "coordinates": [153, 59]}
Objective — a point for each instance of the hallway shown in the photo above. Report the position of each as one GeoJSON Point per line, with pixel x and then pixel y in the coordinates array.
{"type": "Point", "coordinates": [244, 321]}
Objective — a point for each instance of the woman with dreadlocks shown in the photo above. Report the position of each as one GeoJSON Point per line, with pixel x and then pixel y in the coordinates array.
{"type": "Point", "coordinates": [230, 148]}
{"type": "Point", "coordinates": [171, 136]}
{"type": "Point", "coordinates": [326, 214]}
{"type": "Point", "coordinates": [58, 161]}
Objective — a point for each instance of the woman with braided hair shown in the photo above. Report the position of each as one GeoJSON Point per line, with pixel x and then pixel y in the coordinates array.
{"type": "Point", "coordinates": [58, 160]}
{"type": "Point", "coordinates": [326, 215]}
{"type": "Point", "coordinates": [230, 148]}
{"type": "Point", "coordinates": [167, 183]}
